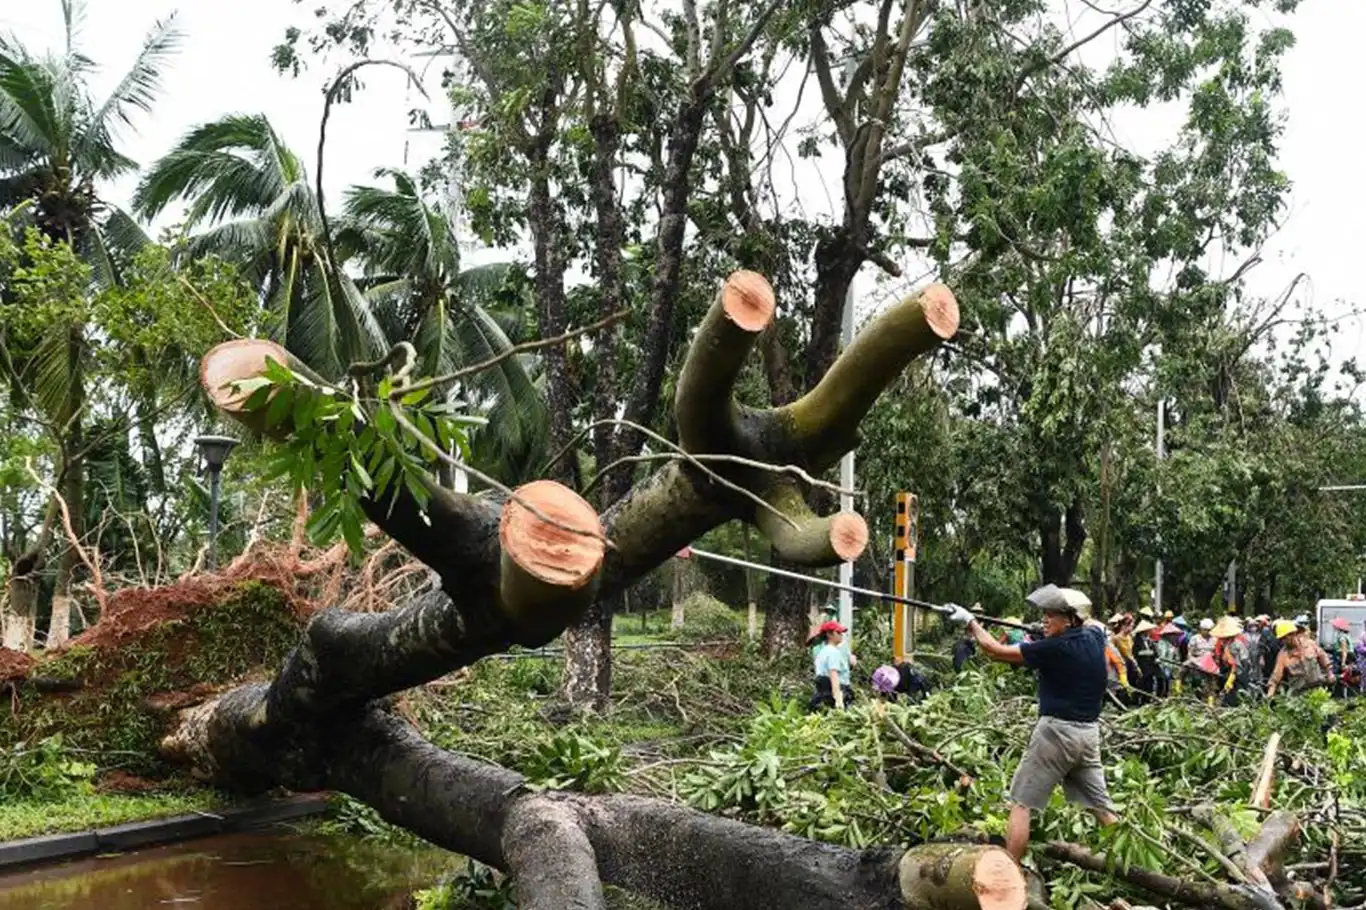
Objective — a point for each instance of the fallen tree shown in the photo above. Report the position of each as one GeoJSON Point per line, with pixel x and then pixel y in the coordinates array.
{"type": "Point", "coordinates": [516, 569]}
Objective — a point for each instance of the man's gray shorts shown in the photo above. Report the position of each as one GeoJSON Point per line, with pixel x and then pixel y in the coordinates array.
{"type": "Point", "coordinates": [1061, 752]}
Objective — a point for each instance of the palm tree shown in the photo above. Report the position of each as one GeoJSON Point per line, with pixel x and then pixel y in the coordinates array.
{"type": "Point", "coordinates": [252, 196]}
{"type": "Point", "coordinates": [409, 257]}
{"type": "Point", "coordinates": [57, 145]}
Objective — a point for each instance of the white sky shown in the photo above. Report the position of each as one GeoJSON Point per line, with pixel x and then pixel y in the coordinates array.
{"type": "Point", "coordinates": [224, 67]}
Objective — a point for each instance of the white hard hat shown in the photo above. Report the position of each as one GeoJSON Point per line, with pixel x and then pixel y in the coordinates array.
{"type": "Point", "coordinates": [1206, 625]}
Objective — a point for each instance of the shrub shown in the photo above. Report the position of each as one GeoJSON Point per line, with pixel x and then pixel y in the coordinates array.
{"type": "Point", "coordinates": [707, 619]}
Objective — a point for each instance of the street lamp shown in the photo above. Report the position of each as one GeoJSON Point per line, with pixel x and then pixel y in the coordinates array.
{"type": "Point", "coordinates": [215, 450]}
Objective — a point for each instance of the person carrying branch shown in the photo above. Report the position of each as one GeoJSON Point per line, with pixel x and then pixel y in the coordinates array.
{"type": "Point", "coordinates": [1065, 745]}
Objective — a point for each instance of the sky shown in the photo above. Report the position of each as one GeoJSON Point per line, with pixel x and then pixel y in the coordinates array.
{"type": "Point", "coordinates": [224, 67]}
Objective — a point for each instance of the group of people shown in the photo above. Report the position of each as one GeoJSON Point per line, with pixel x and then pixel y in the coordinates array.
{"type": "Point", "coordinates": [1080, 662]}
{"type": "Point", "coordinates": [1228, 660]}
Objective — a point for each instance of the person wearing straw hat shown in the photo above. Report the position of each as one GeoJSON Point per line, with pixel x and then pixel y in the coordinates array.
{"type": "Point", "coordinates": [1065, 745]}
{"type": "Point", "coordinates": [1233, 655]}
{"type": "Point", "coordinates": [1302, 664]}
{"type": "Point", "coordinates": [1145, 656]}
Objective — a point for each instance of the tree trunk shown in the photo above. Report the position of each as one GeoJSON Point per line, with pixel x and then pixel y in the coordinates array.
{"type": "Point", "coordinates": [20, 619]}
{"type": "Point", "coordinates": [784, 604]}
{"type": "Point", "coordinates": [587, 680]}
{"type": "Point", "coordinates": [1061, 537]}
{"type": "Point", "coordinates": [73, 491]}
{"type": "Point", "coordinates": [511, 578]}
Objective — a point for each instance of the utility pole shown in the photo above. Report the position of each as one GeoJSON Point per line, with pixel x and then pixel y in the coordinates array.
{"type": "Point", "coordinates": [1161, 453]}
{"type": "Point", "coordinates": [847, 476]}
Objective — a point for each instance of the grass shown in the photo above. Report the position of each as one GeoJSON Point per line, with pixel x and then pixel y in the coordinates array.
{"type": "Point", "coordinates": [83, 811]}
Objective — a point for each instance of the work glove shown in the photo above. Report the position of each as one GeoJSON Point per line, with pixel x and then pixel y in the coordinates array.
{"type": "Point", "coordinates": [959, 615]}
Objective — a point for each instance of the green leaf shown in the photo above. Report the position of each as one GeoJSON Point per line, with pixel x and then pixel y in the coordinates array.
{"type": "Point", "coordinates": [257, 399]}
{"type": "Point", "coordinates": [361, 473]}
{"type": "Point", "coordinates": [412, 399]}
{"type": "Point", "coordinates": [352, 528]}
{"type": "Point", "coordinates": [280, 406]}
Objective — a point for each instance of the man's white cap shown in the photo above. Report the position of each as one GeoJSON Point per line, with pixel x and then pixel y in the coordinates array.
{"type": "Point", "coordinates": [1206, 625]}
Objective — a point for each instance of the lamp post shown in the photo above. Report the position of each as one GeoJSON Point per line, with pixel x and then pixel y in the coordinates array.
{"type": "Point", "coordinates": [215, 450]}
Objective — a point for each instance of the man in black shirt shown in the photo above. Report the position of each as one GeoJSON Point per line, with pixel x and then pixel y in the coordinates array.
{"type": "Point", "coordinates": [1065, 746]}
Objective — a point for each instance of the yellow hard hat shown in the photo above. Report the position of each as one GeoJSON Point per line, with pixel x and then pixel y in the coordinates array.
{"type": "Point", "coordinates": [1284, 627]}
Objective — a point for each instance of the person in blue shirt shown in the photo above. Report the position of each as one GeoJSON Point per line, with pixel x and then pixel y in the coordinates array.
{"type": "Point", "coordinates": [831, 669]}
{"type": "Point", "coordinates": [1065, 745]}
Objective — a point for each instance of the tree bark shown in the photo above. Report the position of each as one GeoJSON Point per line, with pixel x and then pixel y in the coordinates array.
{"type": "Point", "coordinates": [22, 587]}
{"type": "Point", "coordinates": [509, 578]}
{"type": "Point", "coordinates": [588, 643]}
{"type": "Point", "coordinates": [73, 491]}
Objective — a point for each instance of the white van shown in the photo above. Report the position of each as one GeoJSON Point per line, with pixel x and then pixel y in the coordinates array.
{"type": "Point", "coordinates": [1352, 608]}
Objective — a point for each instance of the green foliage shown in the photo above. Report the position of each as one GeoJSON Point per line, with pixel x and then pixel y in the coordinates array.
{"type": "Point", "coordinates": [574, 761]}
{"type": "Point", "coordinates": [350, 448]}
{"type": "Point", "coordinates": [350, 817]}
{"type": "Point", "coordinates": [44, 770]}
{"type": "Point", "coordinates": [476, 887]}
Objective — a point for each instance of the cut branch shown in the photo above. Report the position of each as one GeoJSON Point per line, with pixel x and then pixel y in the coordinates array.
{"type": "Point", "coordinates": [827, 417]}
{"type": "Point", "coordinates": [684, 858]}
{"type": "Point", "coordinates": [743, 309]}
{"type": "Point", "coordinates": [806, 538]}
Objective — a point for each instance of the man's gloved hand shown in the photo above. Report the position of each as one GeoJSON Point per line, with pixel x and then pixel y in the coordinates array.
{"type": "Point", "coordinates": [959, 615]}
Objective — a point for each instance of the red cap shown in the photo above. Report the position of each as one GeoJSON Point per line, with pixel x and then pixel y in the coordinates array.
{"type": "Point", "coordinates": [831, 626]}
{"type": "Point", "coordinates": [1341, 624]}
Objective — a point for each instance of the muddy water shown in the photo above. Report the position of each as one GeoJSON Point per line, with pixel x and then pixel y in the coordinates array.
{"type": "Point", "coordinates": [233, 872]}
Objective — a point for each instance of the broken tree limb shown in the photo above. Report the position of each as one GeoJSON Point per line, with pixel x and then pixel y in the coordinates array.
{"type": "Point", "coordinates": [924, 751]}
{"type": "Point", "coordinates": [1235, 849]}
{"type": "Point", "coordinates": [506, 581]}
{"type": "Point", "coordinates": [809, 539]}
{"type": "Point", "coordinates": [1266, 851]}
{"type": "Point", "coordinates": [1266, 775]}
{"type": "Point", "coordinates": [553, 864]}
{"type": "Point", "coordinates": [1192, 894]}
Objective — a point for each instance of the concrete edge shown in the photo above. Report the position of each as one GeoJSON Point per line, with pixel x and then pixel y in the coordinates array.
{"type": "Point", "coordinates": [51, 847]}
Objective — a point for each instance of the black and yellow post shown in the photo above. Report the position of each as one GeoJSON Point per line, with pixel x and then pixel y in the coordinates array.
{"type": "Point", "coordinates": [903, 574]}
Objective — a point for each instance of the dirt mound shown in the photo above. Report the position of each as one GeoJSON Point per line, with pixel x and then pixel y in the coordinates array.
{"type": "Point", "coordinates": [14, 664]}
{"type": "Point", "coordinates": [155, 651]}
{"type": "Point", "coordinates": [133, 611]}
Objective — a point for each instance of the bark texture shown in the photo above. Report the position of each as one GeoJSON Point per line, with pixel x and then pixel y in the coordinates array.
{"type": "Point", "coordinates": [508, 578]}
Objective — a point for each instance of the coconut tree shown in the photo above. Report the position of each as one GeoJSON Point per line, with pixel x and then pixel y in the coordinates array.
{"type": "Point", "coordinates": [59, 145]}
{"type": "Point", "coordinates": [408, 254]}
{"type": "Point", "coordinates": [250, 201]}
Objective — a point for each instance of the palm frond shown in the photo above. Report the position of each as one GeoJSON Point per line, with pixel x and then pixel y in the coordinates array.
{"type": "Point", "coordinates": [73, 17]}
{"type": "Point", "coordinates": [27, 116]}
{"type": "Point", "coordinates": [137, 89]}
{"type": "Point", "coordinates": [236, 241]}
{"type": "Point", "coordinates": [230, 167]}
